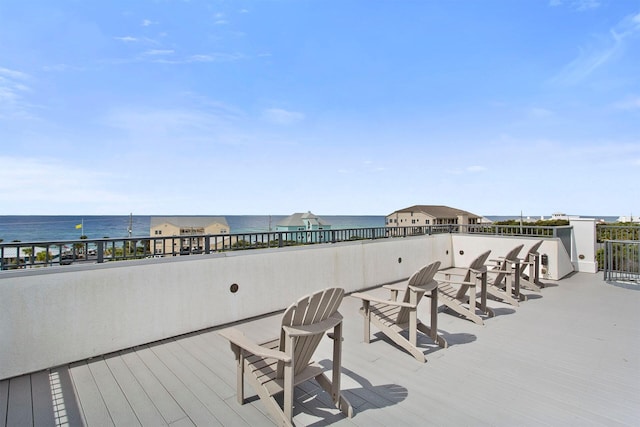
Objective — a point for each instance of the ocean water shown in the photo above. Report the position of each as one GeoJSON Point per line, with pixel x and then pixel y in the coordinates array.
{"type": "Point", "coordinates": [60, 228]}
{"type": "Point", "coordinates": [33, 228]}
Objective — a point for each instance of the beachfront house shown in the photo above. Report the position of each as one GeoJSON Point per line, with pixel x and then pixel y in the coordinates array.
{"type": "Point", "coordinates": [430, 215]}
{"type": "Point", "coordinates": [187, 228]}
{"type": "Point", "coordinates": [298, 223]}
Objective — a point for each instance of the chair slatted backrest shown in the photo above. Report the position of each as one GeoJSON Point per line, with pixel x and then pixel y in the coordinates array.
{"type": "Point", "coordinates": [510, 257]}
{"type": "Point", "coordinates": [533, 251]}
{"type": "Point", "coordinates": [309, 310]}
{"type": "Point", "coordinates": [422, 279]}
{"type": "Point", "coordinates": [477, 264]}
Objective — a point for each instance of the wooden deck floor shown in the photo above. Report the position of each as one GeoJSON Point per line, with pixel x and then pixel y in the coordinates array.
{"type": "Point", "coordinates": [569, 356]}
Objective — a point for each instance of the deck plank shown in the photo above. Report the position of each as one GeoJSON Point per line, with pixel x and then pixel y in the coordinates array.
{"type": "Point", "coordinates": [116, 402]}
{"type": "Point", "coordinates": [146, 412]}
{"type": "Point", "coordinates": [20, 412]}
{"type": "Point", "coordinates": [65, 399]}
{"type": "Point", "coordinates": [43, 413]}
{"type": "Point", "coordinates": [208, 371]}
{"type": "Point", "coordinates": [4, 401]}
{"type": "Point", "coordinates": [209, 399]}
{"type": "Point", "coordinates": [189, 403]}
{"type": "Point", "coordinates": [93, 407]}
{"type": "Point", "coordinates": [159, 396]}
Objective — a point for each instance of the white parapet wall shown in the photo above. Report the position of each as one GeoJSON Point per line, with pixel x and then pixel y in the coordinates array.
{"type": "Point", "coordinates": [57, 315]}
{"type": "Point", "coordinates": [466, 247]}
{"type": "Point", "coordinates": [583, 244]}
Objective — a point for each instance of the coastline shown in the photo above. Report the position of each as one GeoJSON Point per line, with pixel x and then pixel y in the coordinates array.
{"type": "Point", "coordinates": [34, 228]}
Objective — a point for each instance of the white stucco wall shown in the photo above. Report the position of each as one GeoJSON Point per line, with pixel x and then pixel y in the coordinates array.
{"type": "Point", "coordinates": [56, 315]}
{"type": "Point", "coordinates": [472, 245]}
{"type": "Point", "coordinates": [583, 244]}
{"type": "Point", "coordinates": [52, 316]}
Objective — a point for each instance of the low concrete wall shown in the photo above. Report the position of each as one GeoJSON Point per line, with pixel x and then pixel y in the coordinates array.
{"type": "Point", "coordinates": [52, 316]}
{"type": "Point", "coordinates": [472, 245]}
{"type": "Point", "coordinates": [583, 245]}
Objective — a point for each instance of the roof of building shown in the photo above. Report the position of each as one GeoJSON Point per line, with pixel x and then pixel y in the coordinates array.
{"type": "Point", "coordinates": [188, 221]}
{"type": "Point", "coordinates": [437, 211]}
{"type": "Point", "coordinates": [296, 220]}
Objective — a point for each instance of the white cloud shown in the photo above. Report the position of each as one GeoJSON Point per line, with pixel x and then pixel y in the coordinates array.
{"type": "Point", "coordinates": [127, 39]}
{"type": "Point", "coordinates": [215, 57]}
{"type": "Point", "coordinates": [60, 68]}
{"type": "Point", "coordinates": [148, 22]}
{"type": "Point", "coordinates": [585, 4]}
{"type": "Point", "coordinates": [13, 89]}
{"type": "Point", "coordinates": [631, 103]}
{"type": "Point", "coordinates": [579, 5]}
{"type": "Point", "coordinates": [32, 182]}
{"type": "Point", "coordinates": [604, 49]}
{"type": "Point", "coordinates": [155, 52]}
{"type": "Point", "coordinates": [468, 169]}
{"type": "Point", "coordinates": [13, 74]}
{"type": "Point", "coordinates": [282, 117]}
{"type": "Point", "coordinates": [538, 112]}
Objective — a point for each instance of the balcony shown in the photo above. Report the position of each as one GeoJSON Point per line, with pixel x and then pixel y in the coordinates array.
{"type": "Point", "coordinates": [136, 343]}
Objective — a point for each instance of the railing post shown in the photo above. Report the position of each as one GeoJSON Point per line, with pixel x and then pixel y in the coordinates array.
{"type": "Point", "coordinates": [100, 252]}
{"type": "Point", "coordinates": [207, 244]}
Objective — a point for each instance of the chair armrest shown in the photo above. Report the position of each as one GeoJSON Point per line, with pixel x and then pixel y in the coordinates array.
{"type": "Point", "coordinates": [313, 329]}
{"type": "Point", "coordinates": [396, 287]}
{"type": "Point", "coordinates": [370, 298]}
{"type": "Point", "coordinates": [239, 339]}
{"type": "Point", "coordinates": [433, 284]}
{"type": "Point", "coordinates": [452, 273]}
{"type": "Point", "coordinates": [457, 282]}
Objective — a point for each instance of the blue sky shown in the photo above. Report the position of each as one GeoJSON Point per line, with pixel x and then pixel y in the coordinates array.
{"type": "Point", "coordinates": [339, 107]}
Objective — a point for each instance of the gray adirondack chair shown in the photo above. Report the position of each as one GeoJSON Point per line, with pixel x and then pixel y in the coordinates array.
{"type": "Point", "coordinates": [503, 282]}
{"type": "Point", "coordinates": [529, 268]}
{"type": "Point", "coordinates": [460, 293]}
{"type": "Point", "coordinates": [393, 317]}
{"type": "Point", "coordinates": [277, 366]}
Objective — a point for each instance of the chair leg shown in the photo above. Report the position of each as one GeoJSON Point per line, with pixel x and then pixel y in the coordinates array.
{"type": "Point", "coordinates": [337, 362]}
{"type": "Point", "coordinates": [240, 378]}
{"type": "Point", "coordinates": [413, 328]}
{"type": "Point", "coordinates": [333, 386]}
{"type": "Point", "coordinates": [366, 307]}
{"type": "Point", "coordinates": [289, 369]}
{"type": "Point", "coordinates": [432, 329]}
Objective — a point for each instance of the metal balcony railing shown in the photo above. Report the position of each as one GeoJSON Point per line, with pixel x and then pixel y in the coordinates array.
{"type": "Point", "coordinates": [622, 261]}
{"type": "Point", "coordinates": [18, 255]}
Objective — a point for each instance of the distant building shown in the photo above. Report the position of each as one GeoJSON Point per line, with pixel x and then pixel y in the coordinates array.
{"type": "Point", "coordinates": [185, 227]}
{"type": "Point", "coordinates": [430, 215]}
{"type": "Point", "coordinates": [301, 222]}
{"type": "Point", "coordinates": [629, 218]}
